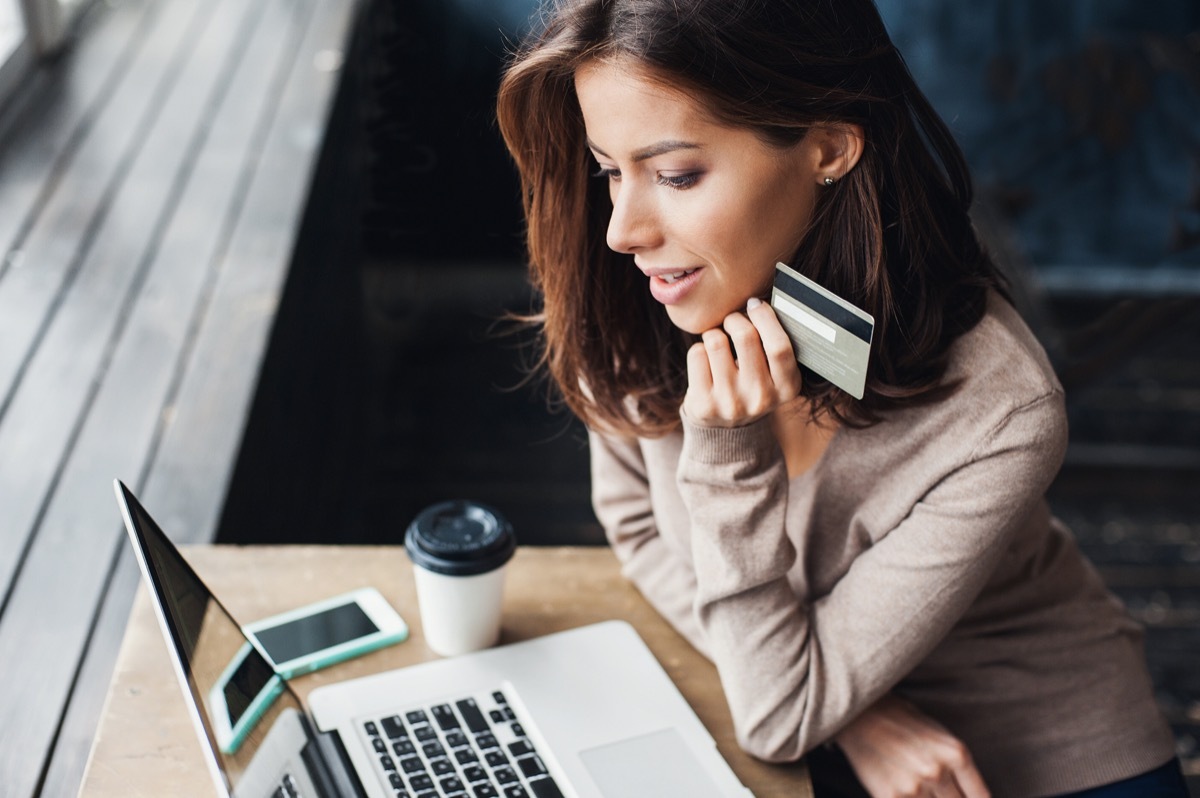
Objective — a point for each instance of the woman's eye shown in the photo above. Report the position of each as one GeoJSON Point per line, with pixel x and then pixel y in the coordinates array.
{"type": "Point", "coordinates": [679, 181]}
{"type": "Point", "coordinates": [608, 173]}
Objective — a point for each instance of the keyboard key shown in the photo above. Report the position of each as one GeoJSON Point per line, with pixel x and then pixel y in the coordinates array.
{"type": "Point", "coordinates": [486, 740]}
{"type": "Point", "coordinates": [520, 748]}
{"type": "Point", "coordinates": [441, 767]}
{"type": "Point", "coordinates": [379, 744]}
{"type": "Point", "coordinates": [394, 727]}
{"type": "Point", "coordinates": [404, 748]}
{"type": "Point", "coordinates": [387, 763]}
{"type": "Point", "coordinates": [451, 784]}
{"type": "Point", "coordinates": [424, 733]}
{"type": "Point", "coordinates": [433, 750]}
{"type": "Point", "coordinates": [289, 786]}
{"type": "Point", "coordinates": [496, 715]}
{"type": "Point", "coordinates": [445, 718]}
{"type": "Point", "coordinates": [371, 728]}
{"type": "Point", "coordinates": [545, 788]}
{"type": "Point", "coordinates": [465, 756]}
{"type": "Point", "coordinates": [474, 773]}
{"type": "Point", "coordinates": [412, 765]}
{"type": "Point", "coordinates": [517, 730]}
{"type": "Point", "coordinates": [505, 775]}
{"type": "Point", "coordinates": [471, 714]}
{"type": "Point", "coordinates": [420, 782]}
{"type": "Point", "coordinates": [496, 759]}
{"type": "Point", "coordinates": [485, 791]}
{"type": "Point", "coordinates": [396, 781]}
{"type": "Point", "coordinates": [515, 791]}
{"type": "Point", "coordinates": [417, 716]}
{"type": "Point", "coordinates": [456, 739]}
{"type": "Point", "coordinates": [429, 794]}
{"type": "Point", "coordinates": [509, 714]}
{"type": "Point", "coordinates": [278, 793]}
{"type": "Point", "coordinates": [532, 766]}
{"type": "Point", "coordinates": [499, 697]}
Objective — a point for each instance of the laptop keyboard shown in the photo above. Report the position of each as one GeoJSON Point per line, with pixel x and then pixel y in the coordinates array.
{"type": "Point", "coordinates": [471, 748]}
{"type": "Point", "coordinates": [287, 788]}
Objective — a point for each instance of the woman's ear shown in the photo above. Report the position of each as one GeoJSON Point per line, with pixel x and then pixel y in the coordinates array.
{"type": "Point", "coordinates": [838, 148]}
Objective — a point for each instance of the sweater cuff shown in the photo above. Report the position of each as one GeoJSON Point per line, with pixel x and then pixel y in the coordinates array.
{"type": "Point", "coordinates": [711, 445]}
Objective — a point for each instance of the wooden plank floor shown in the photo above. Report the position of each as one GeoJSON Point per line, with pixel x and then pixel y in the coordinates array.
{"type": "Point", "coordinates": [152, 184]}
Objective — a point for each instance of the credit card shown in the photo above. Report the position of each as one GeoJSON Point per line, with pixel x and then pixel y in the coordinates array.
{"type": "Point", "coordinates": [829, 335]}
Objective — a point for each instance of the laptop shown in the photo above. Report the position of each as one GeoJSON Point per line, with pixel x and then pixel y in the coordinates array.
{"type": "Point", "coordinates": [586, 713]}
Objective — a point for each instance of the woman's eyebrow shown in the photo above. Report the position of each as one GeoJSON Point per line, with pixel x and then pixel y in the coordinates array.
{"type": "Point", "coordinates": [661, 148]}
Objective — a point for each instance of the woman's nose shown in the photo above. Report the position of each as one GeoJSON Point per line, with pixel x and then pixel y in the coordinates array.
{"type": "Point", "coordinates": [632, 226]}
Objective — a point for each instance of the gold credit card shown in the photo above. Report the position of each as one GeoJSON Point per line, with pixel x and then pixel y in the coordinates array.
{"type": "Point", "coordinates": [829, 335]}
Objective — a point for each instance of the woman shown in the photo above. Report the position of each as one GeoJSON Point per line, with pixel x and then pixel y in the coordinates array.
{"type": "Point", "coordinates": [878, 579]}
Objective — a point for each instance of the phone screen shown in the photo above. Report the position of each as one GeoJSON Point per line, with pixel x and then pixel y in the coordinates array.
{"type": "Point", "coordinates": [322, 630]}
{"type": "Point", "coordinates": [245, 683]}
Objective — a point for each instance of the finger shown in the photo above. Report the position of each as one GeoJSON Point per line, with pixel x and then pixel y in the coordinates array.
{"type": "Point", "coordinates": [720, 361]}
{"type": "Point", "coordinates": [777, 347]}
{"type": "Point", "coordinates": [960, 768]}
{"type": "Point", "coordinates": [946, 787]}
{"type": "Point", "coordinates": [699, 373]}
{"type": "Point", "coordinates": [747, 346]}
{"type": "Point", "coordinates": [698, 401]}
{"type": "Point", "coordinates": [970, 781]}
{"type": "Point", "coordinates": [961, 779]}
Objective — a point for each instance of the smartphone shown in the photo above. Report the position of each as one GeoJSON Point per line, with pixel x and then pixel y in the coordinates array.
{"type": "Point", "coordinates": [292, 643]}
{"type": "Point", "coordinates": [242, 693]}
{"type": "Point", "coordinates": [317, 635]}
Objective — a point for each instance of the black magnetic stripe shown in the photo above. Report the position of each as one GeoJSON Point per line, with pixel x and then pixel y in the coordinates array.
{"type": "Point", "coordinates": [823, 305]}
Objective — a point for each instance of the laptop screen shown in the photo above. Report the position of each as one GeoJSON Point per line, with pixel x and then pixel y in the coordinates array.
{"type": "Point", "coordinates": [234, 691]}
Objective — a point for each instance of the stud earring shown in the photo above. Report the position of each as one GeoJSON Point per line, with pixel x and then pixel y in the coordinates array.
{"type": "Point", "coordinates": [829, 181]}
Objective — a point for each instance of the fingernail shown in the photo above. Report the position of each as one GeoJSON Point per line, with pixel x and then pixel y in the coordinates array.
{"type": "Point", "coordinates": [752, 303]}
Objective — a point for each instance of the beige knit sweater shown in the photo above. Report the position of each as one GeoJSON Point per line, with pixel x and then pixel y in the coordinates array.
{"type": "Point", "coordinates": [917, 556]}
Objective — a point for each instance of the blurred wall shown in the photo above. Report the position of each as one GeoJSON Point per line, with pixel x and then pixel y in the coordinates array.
{"type": "Point", "coordinates": [1081, 121]}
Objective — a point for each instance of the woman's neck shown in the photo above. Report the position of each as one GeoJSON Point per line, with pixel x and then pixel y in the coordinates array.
{"type": "Point", "coordinates": [802, 440]}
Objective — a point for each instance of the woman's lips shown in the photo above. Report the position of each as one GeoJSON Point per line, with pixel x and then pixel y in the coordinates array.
{"type": "Point", "coordinates": [670, 291]}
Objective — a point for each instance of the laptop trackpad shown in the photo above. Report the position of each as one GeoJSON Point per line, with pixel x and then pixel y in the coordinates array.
{"type": "Point", "coordinates": [655, 765]}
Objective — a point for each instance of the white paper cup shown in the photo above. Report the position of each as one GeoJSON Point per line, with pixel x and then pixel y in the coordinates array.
{"type": "Point", "coordinates": [459, 551]}
{"type": "Point", "coordinates": [460, 613]}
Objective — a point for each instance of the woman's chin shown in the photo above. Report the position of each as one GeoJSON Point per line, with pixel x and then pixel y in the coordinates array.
{"type": "Point", "coordinates": [694, 320]}
{"type": "Point", "coordinates": [691, 322]}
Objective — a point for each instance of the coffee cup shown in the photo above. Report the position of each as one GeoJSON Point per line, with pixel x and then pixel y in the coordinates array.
{"type": "Point", "coordinates": [459, 550]}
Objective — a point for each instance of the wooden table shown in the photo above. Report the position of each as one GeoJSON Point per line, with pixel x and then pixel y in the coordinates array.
{"type": "Point", "coordinates": [146, 745]}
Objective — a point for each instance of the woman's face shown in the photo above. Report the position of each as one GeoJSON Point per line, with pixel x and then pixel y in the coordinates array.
{"type": "Point", "coordinates": [705, 209]}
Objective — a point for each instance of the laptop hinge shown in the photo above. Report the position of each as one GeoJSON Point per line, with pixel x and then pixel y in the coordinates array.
{"type": "Point", "coordinates": [330, 765]}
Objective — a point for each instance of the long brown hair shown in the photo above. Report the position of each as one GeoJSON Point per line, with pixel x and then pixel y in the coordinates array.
{"type": "Point", "coordinates": [893, 236]}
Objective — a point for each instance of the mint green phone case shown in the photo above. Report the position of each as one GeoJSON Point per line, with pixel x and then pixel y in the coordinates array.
{"type": "Point", "coordinates": [389, 628]}
{"type": "Point", "coordinates": [230, 738]}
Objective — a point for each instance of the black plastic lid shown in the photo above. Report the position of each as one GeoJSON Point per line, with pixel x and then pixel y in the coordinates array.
{"type": "Point", "coordinates": [460, 538]}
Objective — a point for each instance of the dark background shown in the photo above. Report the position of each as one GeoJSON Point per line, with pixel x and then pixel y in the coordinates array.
{"type": "Point", "coordinates": [392, 379]}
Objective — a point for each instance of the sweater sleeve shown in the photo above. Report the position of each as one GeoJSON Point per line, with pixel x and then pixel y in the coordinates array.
{"type": "Point", "coordinates": [796, 671]}
{"type": "Point", "coordinates": [621, 500]}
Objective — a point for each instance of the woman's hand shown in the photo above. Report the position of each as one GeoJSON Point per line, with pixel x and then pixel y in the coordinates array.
{"type": "Point", "coordinates": [742, 370]}
{"type": "Point", "coordinates": [898, 752]}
